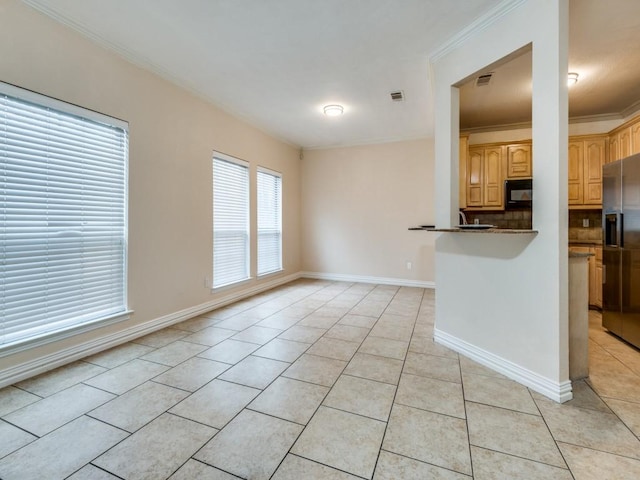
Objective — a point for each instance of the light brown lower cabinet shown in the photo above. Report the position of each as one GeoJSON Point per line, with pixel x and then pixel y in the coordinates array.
{"type": "Point", "coordinates": [595, 273]}
{"type": "Point", "coordinates": [595, 291]}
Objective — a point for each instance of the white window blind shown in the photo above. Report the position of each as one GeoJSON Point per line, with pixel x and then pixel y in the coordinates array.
{"type": "Point", "coordinates": [230, 221]}
{"type": "Point", "coordinates": [269, 222]}
{"type": "Point", "coordinates": [62, 216]}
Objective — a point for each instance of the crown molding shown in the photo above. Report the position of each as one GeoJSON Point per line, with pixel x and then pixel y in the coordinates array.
{"type": "Point", "coordinates": [489, 18]}
{"type": "Point", "coordinates": [493, 128]}
{"type": "Point", "coordinates": [372, 141]}
{"type": "Point", "coordinates": [631, 110]}
{"type": "Point", "coordinates": [146, 64]}
{"type": "Point", "coordinates": [601, 117]}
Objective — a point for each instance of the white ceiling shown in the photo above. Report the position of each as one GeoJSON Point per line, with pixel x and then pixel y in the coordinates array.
{"type": "Point", "coordinates": [275, 63]}
{"type": "Point", "coordinates": [604, 41]}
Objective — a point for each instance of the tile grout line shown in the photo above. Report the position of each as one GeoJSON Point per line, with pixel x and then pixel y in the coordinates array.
{"type": "Point", "coordinates": [466, 415]}
{"type": "Point", "coordinates": [314, 412]}
{"type": "Point", "coordinates": [320, 404]}
{"type": "Point", "coordinates": [417, 322]}
{"type": "Point", "coordinates": [386, 427]}
{"type": "Point", "coordinates": [118, 396]}
{"type": "Point", "coordinates": [246, 407]}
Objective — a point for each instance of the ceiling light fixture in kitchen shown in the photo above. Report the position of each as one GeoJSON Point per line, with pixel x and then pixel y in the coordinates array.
{"type": "Point", "coordinates": [333, 110]}
{"type": "Point", "coordinates": [572, 79]}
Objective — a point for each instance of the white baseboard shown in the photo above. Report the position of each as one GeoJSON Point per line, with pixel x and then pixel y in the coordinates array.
{"type": "Point", "coordinates": [63, 356]}
{"type": "Point", "coordinates": [341, 277]}
{"type": "Point", "coordinates": [559, 392]}
{"type": "Point", "coordinates": [45, 362]}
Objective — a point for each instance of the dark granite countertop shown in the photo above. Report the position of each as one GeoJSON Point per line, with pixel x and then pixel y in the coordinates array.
{"type": "Point", "coordinates": [580, 254]}
{"type": "Point", "coordinates": [503, 231]}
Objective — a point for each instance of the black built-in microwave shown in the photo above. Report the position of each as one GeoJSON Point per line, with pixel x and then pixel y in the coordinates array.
{"type": "Point", "coordinates": [518, 193]}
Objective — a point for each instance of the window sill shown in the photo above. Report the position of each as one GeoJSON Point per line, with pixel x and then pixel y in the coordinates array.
{"type": "Point", "coordinates": [271, 273]}
{"type": "Point", "coordinates": [230, 286]}
{"type": "Point", "coordinates": [51, 337]}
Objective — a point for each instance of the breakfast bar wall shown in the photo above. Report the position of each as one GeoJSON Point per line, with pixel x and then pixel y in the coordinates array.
{"type": "Point", "coordinates": [526, 337]}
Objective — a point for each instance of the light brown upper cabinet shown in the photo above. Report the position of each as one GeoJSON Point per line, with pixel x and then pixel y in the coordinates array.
{"type": "Point", "coordinates": [595, 154]}
{"type": "Point", "coordinates": [484, 168]}
{"type": "Point", "coordinates": [462, 185]}
{"type": "Point", "coordinates": [576, 165]}
{"type": "Point", "coordinates": [493, 181]}
{"type": "Point", "coordinates": [613, 148]}
{"type": "Point", "coordinates": [586, 156]}
{"type": "Point", "coordinates": [519, 161]}
{"type": "Point", "coordinates": [635, 137]}
{"type": "Point", "coordinates": [624, 143]}
{"type": "Point", "coordinates": [484, 179]}
{"type": "Point", "coordinates": [474, 184]}
{"type": "Point", "coordinates": [624, 140]}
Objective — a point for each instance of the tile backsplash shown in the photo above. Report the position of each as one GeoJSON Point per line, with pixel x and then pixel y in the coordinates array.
{"type": "Point", "coordinates": [580, 234]}
{"type": "Point", "coordinates": [523, 219]}
{"type": "Point", "coordinates": [520, 219]}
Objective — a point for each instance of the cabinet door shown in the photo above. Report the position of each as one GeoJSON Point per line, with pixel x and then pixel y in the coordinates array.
{"type": "Point", "coordinates": [635, 138]}
{"type": "Point", "coordinates": [624, 143]}
{"type": "Point", "coordinates": [613, 148]}
{"type": "Point", "coordinates": [598, 287]}
{"type": "Point", "coordinates": [594, 156]}
{"type": "Point", "coordinates": [592, 277]}
{"type": "Point", "coordinates": [518, 161]}
{"type": "Point", "coordinates": [576, 185]}
{"type": "Point", "coordinates": [598, 278]}
{"type": "Point", "coordinates": [475, 176]}
{"type": "Point", "coordinates": [591, 269]}
{"type": "Point", "coordinates": [462, 184]}
{"type": "Point", "coordinates": [493, 181]}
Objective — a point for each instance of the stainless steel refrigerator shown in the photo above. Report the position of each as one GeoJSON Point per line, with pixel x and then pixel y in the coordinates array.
{"type": "Point", "coordinates": [621, 248]}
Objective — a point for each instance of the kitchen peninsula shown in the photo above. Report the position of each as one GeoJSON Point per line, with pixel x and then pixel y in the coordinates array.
{"type": "Point", "coordinates": [502, 231]}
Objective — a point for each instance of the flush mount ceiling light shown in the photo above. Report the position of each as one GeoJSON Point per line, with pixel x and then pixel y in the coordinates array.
{"type": "Point", "coordinates": [572, 79]}
{"type": "Point", "coordinates": [333, 110]}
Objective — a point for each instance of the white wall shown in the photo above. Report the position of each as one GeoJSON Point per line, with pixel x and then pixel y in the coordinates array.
{"type": "Point", "coordinates": [503, 299]}
{"type": "Point", "coordinates": [357, 204]}
{"type": "Point", "coordinates": [172, 137]}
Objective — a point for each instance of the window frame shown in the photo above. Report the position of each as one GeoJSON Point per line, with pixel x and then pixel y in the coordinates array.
{"type": "Point", "coordinates": [278, 175]}
{"type": "Point", "coordinates": [70, 330]}
{"type": "Point", "coordinates": [247, 259]}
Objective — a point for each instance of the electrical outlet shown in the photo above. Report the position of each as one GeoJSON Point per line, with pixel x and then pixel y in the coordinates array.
{"type": "Point", "coordinates": [409, 265]}
{"type": "Point", "coordinates": [585, 222]}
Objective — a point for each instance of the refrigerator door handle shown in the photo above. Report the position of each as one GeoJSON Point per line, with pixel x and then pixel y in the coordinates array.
{"type": "Point", "coordinates": [621, 229]}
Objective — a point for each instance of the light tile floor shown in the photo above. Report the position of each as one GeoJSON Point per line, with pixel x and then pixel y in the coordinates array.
{"type": "Point", "coordinates": [317, 380]}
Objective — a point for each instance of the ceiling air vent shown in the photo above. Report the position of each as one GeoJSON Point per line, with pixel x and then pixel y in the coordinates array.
{"type": "Point", "coordinates": [397, 96]}
{"type": "Point", "coordinates": [483, 80]}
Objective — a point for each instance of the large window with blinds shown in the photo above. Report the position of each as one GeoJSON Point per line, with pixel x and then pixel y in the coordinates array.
{"type": "Point", "coordinates": [230, 220]}
{"type": "Point", "coordinates": [63, 217]}
{"type": "Point", "coordinates": [269, 222]}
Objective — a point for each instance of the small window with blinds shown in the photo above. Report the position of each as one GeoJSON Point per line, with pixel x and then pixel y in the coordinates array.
{"type": "Point", "coordinates": [230, 220]}
{"type": "Point", "coordinates": [63, 211]}
{"type": "Point", "coordinates": [269, 222]}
